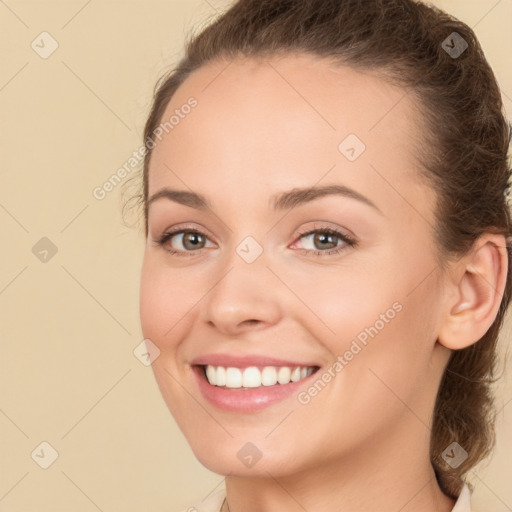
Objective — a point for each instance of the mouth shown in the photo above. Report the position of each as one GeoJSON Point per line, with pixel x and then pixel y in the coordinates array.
{"type": "Point", "coordinates": [250, 377]}
{"type": "Point", "coordinates": [251, 389]}
{"type": "Point", "coordinates": [249, 383]}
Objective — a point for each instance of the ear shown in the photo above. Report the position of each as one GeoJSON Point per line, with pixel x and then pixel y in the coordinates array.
{"type": "Point", "coordinates": [476, 284]}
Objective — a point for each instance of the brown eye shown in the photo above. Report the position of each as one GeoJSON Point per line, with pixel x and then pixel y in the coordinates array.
{"type": "Point", "coordinates": [321, 240]}
{"type": "Point", "coordinates": [324, 240]}
{"type": "Point", "coordinates": [183, 241]}
{"type": "Point", "coordinates": [190, 240]}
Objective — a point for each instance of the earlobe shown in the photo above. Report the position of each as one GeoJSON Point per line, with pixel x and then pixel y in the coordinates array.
{"type": "Point", "coordinates": [476, 289]}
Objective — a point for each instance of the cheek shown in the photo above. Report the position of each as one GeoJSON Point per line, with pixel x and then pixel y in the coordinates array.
{"type": "Point", "coordinates": [374, 315]}
{"type": "Point", "coordinates": [166, 299]}
{"type": "Point", "coordinates": [337, 302]}
{"type": "Point", "coordinates": [393, 365]}
{"type": "Point", "coordinates": [152, 301]}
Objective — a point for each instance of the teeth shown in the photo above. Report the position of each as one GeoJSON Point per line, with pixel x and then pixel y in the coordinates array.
{"type": "Point", "coordinates": [283, 375]}
{"type": "Point", "coordinates": [220, 376]}
{"type": "Point", "coordinates": [211, 375]}
{"type": "Point", "coordinates": [269, 376]}
{"type": "Point", "coordinates": [295, 374]}
{"type": "Point", "coordinates": [252, 377]}
{"type": "Point", "coordinates": [233, 378]}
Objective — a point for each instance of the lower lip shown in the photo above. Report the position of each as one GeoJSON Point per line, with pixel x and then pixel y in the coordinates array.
{"type": "Point", "coordinates": [246, 399]}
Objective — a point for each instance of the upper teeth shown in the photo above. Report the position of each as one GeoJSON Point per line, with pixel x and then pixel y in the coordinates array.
{"type": "Point", "coordinates": [252, 377]}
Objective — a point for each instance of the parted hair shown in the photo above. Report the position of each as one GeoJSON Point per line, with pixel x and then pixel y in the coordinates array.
{"type": "Point", "coordinates": [463, 155]}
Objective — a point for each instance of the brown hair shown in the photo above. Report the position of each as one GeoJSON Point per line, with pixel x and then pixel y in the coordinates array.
{"type": "Point", "coordinates": [463, 155]}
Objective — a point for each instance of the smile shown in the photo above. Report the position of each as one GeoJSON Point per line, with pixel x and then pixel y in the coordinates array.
{"type": "Point", "coordinates": [255, 377]}
{"type": "Point", "coordinates": [250, 389]}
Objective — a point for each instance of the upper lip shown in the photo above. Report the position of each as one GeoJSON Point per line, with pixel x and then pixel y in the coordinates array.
{"type": "Point", "coordinates": [230, 360]}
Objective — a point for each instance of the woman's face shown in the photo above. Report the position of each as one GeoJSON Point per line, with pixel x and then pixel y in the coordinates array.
{"type": "Point", "coordinates": [255, 287]}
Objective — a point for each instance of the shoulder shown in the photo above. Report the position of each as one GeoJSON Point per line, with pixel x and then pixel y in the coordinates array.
{"type": "Point", "coordinates": [211, 503]}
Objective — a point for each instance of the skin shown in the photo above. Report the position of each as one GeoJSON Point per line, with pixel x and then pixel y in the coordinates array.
{"type": "Point", "coordinates": [260, 128]}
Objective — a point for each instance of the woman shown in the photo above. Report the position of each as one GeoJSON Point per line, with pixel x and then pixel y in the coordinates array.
{"type": "Point", "coordinates": [327, 262]}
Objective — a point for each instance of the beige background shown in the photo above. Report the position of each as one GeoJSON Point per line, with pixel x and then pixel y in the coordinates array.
{"type": "Point", "coordinates": [68, 326]}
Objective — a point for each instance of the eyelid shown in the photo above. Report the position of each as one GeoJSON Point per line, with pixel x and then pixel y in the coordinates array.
{"type": "Point", "coordinates": [326, 226]}
{"type": "Point", "coordinates": [187, 226]}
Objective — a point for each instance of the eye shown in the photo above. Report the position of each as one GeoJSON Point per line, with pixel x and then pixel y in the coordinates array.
{"type": "Point", "coordinates": [183, 241]}
{"type": "Point", "coordinates": [325, 241]}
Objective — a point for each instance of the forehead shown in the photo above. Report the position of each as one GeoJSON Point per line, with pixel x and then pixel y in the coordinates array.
{"type": "Point", "coordinates": [283, 121]}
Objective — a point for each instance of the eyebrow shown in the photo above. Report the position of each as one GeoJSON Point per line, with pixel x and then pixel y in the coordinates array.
{"type": "Point", "coordinates": [282, 201]}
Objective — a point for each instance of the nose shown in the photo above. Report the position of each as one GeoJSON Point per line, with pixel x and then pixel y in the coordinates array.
{"type": "Point", "coordinates": [245, 297]}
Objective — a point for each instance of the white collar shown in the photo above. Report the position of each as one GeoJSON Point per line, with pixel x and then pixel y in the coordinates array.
{"type": "Point", "coordinates": [463, 503]}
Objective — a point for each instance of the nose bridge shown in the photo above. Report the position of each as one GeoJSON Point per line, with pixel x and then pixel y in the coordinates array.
{"type": "Point", "coordinates": [242, 292]}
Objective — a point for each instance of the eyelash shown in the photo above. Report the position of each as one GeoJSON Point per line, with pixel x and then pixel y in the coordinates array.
{"type": "Point", "coordinates": [348, 241]}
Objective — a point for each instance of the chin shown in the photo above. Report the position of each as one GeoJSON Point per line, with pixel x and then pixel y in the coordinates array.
{"type": "Point", "coordinates": [237, 457]}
